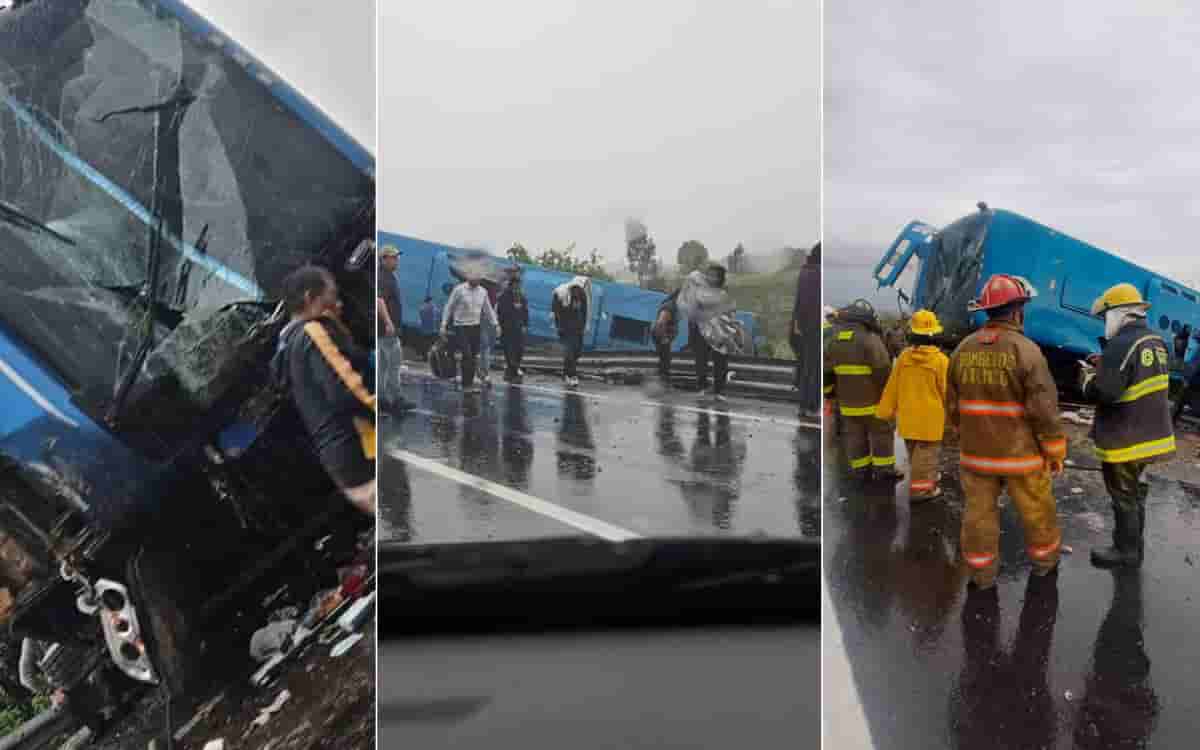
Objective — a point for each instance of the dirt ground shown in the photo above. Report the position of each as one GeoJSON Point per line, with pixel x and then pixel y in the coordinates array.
{"type": "Point", "coordinates": [1184, 466]}
{"type": "Point", "coordinates": [332, 706]}
{"type": "Point", "coordinates": [331, 701]}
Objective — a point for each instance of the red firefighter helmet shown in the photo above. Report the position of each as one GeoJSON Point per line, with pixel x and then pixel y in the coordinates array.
{"type": "Point", "coordinates": [1002, 289]}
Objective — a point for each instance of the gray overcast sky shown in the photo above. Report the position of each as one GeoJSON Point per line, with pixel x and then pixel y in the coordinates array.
{"type": "Point", "coordinates": [549, 121]}
{"type": "Point", "coordinates": [324, 49]}
{"type": "Point", "coordinates": [1080, 114]}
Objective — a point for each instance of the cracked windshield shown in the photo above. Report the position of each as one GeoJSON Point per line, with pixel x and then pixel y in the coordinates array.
{"type": "Point", "coordinates": [601, 286]}
{"type": "Point", "coordinates": [148, 182]}
{"type": "Point", "coordinates": [187, 501]}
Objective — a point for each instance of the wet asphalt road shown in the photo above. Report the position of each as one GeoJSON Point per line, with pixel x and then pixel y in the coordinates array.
{"type": "Point", "coordinates": [1093, 659]}
{"type": "Point", "coordinates": [648, 463]}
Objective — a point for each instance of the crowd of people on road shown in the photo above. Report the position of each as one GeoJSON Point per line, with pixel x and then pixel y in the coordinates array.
{"type": "Point", "coordinates": [481, 313]}
{"type": "Point", "coordinates": [997, 391]}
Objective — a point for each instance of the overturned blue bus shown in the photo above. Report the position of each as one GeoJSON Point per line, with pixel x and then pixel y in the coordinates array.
{"type": "Point", "coordinates": [1068, 274]}
{"type": "Point", "coordinates": [157, 184]}
{"type": "Point", "coordinates": [621, 313]}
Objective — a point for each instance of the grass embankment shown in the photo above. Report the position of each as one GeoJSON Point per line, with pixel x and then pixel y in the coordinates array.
{"type": "Point", "coordinates": [770, 297]}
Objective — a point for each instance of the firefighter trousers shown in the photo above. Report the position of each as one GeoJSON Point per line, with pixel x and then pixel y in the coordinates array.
{"type": "Point", "coordinates": [980, 537]}
{"type": "Point", "coordinates": [1124, 484]}
{"type": "Point", "coordinates": [923, 458]}
{"type": "Point", "coordinates": [868, 442]}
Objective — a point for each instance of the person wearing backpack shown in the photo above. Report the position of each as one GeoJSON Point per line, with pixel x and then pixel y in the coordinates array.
{"type": "Point", "coordinates": [321, 368]}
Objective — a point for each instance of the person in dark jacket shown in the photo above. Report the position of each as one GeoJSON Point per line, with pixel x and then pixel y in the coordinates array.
{"type": "Point", "coordinates": [512, 307]}
{"type": "Point", "coordinates": [321, 367]}
{"type": "Point", "coordinates": [806, 334]}
{"type": "Point", "coordinates": [1129, 382]}
{"type": "Point", "coordinates": [570, 311]}
{"type": "Point", "coordinates": [1182, 339]}
{"type": "Point", "coordinates": [664, 331]}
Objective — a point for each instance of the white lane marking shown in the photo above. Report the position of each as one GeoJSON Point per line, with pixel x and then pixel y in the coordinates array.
{"type": "Point", "coordinates": [593, 526]}
{"type": "Point", "coordinates": [682, 407]}
{"type": "Point", "coordinates": [843, 720]}
{"type": "Point", "coordinates": [33, 393]}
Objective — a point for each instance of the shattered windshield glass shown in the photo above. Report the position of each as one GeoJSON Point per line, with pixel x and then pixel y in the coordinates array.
{"type": "Point", "coordinates": [116, 118]}
{"type": "Point", "coordinates": [952, 272]}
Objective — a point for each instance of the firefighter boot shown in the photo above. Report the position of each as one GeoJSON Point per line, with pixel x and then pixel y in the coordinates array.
{"type": "Point", "coordinates": [1127, 534]}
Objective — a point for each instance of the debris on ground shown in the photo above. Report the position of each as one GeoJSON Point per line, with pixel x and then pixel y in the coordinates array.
{"type": "Point", "coordinates": [200, 715]}
{"type": "Point", "coordinates": [1077, 418]}
{"type": "Point", "coordinates": [271, 639]}
{"type": "Point", "coordinates": [343, 646]}
{"type": "Point", "coordinates": [264, 715]}
{"type": "Point", "coordinates": [1076, 490]}
{"type": "Point", "coordinates": [357, 614]}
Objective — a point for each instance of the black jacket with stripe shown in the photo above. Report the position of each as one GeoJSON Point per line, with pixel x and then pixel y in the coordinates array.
{"type": "Point", "coordinates": [322, 369]}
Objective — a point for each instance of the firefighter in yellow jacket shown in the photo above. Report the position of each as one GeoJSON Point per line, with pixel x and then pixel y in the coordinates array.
{"type": "Point", "coordinates": [1129, 382]}
{"type": "Point", "coordinates": [856, 369]}
{"type": "Point", "coordinates": [1002, 398]}
{"type": "Point", "coordinates": [915, 398]}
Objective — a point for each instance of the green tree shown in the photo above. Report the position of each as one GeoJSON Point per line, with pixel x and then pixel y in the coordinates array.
{"type": "Point", "coordinates": [640, 253]}
{"type": "Point", "coordinates": [691, 256]}
{"type": "Point", "coordinates": [566, 262]}
{"type": "Point", "coordinates": [518, 254]}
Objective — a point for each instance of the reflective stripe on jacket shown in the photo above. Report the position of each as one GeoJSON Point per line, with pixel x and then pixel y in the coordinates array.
{"type": "Point", "coordinates": [1133, 414]}
{"type": "Point", "coordinates": [1004, 401]}
{"type": "Point", "coordinates": [857, 366]}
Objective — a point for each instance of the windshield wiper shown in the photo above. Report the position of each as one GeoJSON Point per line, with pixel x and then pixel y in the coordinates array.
{"type": "Point", "coordinates": [576, 581]}
{"type": "Point", "coordinates": [150, 297]}
{"type": "Point", "coordinates": [168, 116]}
{"type": "Point", "coordinates": [14, 216]}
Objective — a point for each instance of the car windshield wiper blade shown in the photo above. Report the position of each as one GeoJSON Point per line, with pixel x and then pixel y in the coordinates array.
{"type": "Point", "coordinates": [14, 216]}
{"type": "Point", "coordinates": [583, 581]}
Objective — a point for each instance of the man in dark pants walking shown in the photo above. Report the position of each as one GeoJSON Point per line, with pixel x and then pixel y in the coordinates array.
{"type": "Point", "coordinates": [570, 311]}
{"type": "Point", "coordinates": [513, 310]}
{"type": "Point", "coordinates": [465, 309]}
{"type": "Point", "coordinates": [390, 344]}
{"type": "Point", "coordinates": [806, 333]}
{"type": "Point", "coordinates": [714, 332]}
{"type": "Point", "coordinates": [666, 328]}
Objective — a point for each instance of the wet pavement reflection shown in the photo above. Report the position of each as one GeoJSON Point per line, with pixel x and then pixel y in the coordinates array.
{"type": "Point", "coordinates": [1085, 658]}
{"type": "Point", "coordinates": [653, 465]}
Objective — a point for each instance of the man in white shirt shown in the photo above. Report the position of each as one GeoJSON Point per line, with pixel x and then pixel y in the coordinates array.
{"type": "Point", "coordinates": [466, 308]}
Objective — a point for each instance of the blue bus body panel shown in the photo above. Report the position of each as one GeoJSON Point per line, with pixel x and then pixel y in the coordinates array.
{"type": "Point", "coordinates": [621, 313]}
{"type": "Point", "coordinates": [40, 428]}
{"type": "Point", "coordinates": [47, 436]}
{"type": "Point", "coordinates": [914, 237]}
{"type": "Point", "coordinates": [1069, 275]}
